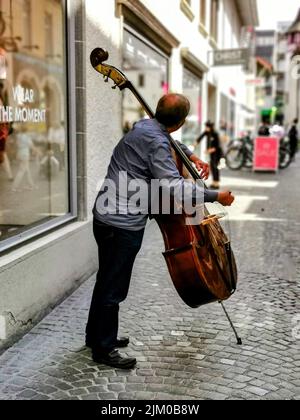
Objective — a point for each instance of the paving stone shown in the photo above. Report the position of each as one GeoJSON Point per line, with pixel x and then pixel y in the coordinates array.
{"type": "Point", "coordinates": [116, 387]}
{"type": "Point", "coordinates": [107, 396]}
{"type": "Point", "coordinates": [78, 392]}
{"type": "Point", "coordinates": [257, 391]}
{"type": "Point", "coordinates": [27, 394]}
{"type": "Point", "coordinates": [90, 397]}
{"type": "Point", "coordinates": [228, 362]}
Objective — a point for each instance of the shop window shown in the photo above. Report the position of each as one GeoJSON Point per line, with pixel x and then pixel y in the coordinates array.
{"type": "Point", "coordinates": [147, 68]}
{"type": "Point", "coordinates": [34, 172]}
{"type": "Point", "coordinates": [192, 90]}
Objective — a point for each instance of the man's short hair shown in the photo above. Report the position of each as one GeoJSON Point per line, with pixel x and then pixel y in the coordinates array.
{"type": "Point", "coordinates": [296, 121]}
{"type": "Point", "coordinates": [209, 124]}
{"type": "Point", "coordinates": [172, 110]}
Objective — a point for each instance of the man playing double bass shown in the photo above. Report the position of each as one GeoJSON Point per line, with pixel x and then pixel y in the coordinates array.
{"type": "Point", "coordinates": [144, 153]}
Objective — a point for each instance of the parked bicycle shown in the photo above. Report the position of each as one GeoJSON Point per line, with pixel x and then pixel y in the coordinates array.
{"type": "Point", "coordinates": [240, 153]}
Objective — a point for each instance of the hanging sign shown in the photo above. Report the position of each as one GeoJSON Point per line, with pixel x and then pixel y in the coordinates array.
{"type": "Point", "coordinates": [234, 57]}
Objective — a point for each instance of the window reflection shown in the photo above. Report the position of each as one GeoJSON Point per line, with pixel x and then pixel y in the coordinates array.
{"type": "Point", "coordinates": [148, 71]}
{"type": "Point", "coordinates": [33, 139]}
{"type": "Point", "coordinates": [192, 90]}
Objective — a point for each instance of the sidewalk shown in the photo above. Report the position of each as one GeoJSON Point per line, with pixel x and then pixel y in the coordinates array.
{"type": "Point", "coordinates": [184, 353]}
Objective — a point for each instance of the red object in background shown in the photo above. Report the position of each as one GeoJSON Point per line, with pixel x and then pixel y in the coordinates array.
{"type": "Point", "coordinates": [165, 87]}
{"type": "Point", "coordinates": [232, 92]}
{"type": "Point", "coordinates": [266, 154]}
{"type": "Point", "coordinates": [200, 110]}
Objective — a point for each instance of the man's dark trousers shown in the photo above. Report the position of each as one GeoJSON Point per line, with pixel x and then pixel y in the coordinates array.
{"type": "Point", "coordinates": [117, 250]}
{"type": "Point", "coordinates": [293, 146]}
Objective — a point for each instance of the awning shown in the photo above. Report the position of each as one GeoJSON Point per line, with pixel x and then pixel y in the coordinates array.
{"type": "Point", "coordinates": [265, 63]}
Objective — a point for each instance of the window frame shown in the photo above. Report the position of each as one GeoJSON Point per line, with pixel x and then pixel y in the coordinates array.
{"type": "Point", "coordinates": [29, 16]}
{"type": "Point", "coordinates": [45, 228]}
{"type": "Point", "coordinates": [214, 20]}
{"type": "Point", "coordinates": [203, 14]}
{"type": "Point", "coordinates": [191, 72]}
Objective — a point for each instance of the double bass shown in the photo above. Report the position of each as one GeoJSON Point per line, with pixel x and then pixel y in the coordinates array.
{"type": "Point", "coordinates": [199, 257]}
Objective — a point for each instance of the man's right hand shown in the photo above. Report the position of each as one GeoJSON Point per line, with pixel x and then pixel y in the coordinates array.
{"type": "Point", "coordinates": [226, 198]}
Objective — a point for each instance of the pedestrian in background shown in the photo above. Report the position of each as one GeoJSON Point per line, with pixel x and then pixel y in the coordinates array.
{"type": "Point", "coordinates": [214, 150]}
{"type": "Point", "coordinates": [5, 131]}
{"type": "Point", "coordinates": [56, 137]}
{"type": "Point", "coordinates": [24, 148]}
{"type": "Point", "coordinates": [4, 160]}
{"type": "Point", "coordinates": [264, 129]}
{"type": "Point", "coordinates": [277, 130]}
{"type": "Point", "coordinates": [294, 138]}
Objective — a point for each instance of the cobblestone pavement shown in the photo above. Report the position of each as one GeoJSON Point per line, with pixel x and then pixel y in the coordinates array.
{"type": "Point", "coordinates": [184, 353]}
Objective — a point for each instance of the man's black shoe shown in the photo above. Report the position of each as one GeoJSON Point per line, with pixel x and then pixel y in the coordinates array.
{"type": "Point", "coordinates": [122, 342]}
{"type": "Point", "coordinates": [114, 359]}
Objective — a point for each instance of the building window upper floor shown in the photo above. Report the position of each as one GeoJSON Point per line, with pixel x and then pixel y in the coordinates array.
{"type": "Point", "coordinates": [203, 12]}
{"type": "Point", "coordinates": [214, 19]}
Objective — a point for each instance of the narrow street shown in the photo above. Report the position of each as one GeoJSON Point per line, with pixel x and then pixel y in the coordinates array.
{"type": "Point", "coordinates": [184, 353]}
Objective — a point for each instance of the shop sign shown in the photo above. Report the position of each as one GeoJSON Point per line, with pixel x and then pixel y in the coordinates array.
{"type": "Point", "coordinates": [233, 57]}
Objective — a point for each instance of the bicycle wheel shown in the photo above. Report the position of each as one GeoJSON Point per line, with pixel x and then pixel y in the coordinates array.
{"type": "Point", "coordinates": [285, 158]}
{"type": "Point", "coordinates": [235, 158]}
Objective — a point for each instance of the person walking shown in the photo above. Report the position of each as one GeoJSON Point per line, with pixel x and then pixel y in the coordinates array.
{"type": "Point", "coordinates": [5, 131]}
{"type": "Point", "coordinates": [277, 130]}
{"type": "Point", "coordinates": [214, 150]}
{"type": "Point", "coordinates": [24, 148]}
{"type": "Point", "coordinates": [4, 160]}
{"type": "Point", "coordinates": [294, 138]}
{"type": "Point", "coordinates": [264, 129]}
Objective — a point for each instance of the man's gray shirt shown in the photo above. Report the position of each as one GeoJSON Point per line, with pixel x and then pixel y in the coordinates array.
{"type": "Point", "coordinates": [143, 154]}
